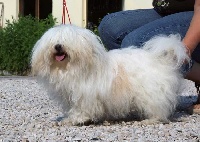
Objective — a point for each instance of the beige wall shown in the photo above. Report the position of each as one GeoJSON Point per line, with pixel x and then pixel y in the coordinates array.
{"type": "Point", "coordinates": [11, 9]}
{"type": "Point", "coordinates": [77, 9]}
{"type": "Point", "coordinates": [137, 4]}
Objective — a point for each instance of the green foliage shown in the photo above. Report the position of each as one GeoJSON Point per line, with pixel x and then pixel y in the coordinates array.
{"type": "Point", "coordinates": [95, 30]}
{"type": "Point", "coordinates": [17, 40]}
{"type": "Point", "coordinates": [94, 27]}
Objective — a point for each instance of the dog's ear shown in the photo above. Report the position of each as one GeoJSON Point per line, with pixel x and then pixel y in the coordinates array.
{"type": "Point", "coordinates": [36, 56]}
{"type": "Point", "coordinates": [38, 59]}
{"type": "Point", "coordinates": [92, 40]}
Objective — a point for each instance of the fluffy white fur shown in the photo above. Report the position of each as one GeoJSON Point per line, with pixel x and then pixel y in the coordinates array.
{"type": "Point", "coordinates": [92, 84]}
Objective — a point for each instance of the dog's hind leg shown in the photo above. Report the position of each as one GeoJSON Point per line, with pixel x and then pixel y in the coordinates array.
{"type": "Point", "coordinates": [76, 118]}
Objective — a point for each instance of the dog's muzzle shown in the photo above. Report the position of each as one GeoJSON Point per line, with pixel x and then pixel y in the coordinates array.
{"type": "Point", "coordinates": [60, 54]}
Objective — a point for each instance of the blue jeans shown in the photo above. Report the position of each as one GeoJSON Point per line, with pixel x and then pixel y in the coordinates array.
{"type": "Point", "coordinates": [134, 27]}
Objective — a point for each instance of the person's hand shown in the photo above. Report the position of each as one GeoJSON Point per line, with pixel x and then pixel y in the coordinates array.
{"type": "Point", "coordinates": [188, 51]}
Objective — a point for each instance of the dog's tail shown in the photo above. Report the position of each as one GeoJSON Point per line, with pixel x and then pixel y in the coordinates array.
{"type": "Point", "coordinates": [169, 48]}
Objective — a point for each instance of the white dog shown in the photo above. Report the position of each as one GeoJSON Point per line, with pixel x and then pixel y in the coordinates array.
{"type": "Point", "coordinates": [92, 84]}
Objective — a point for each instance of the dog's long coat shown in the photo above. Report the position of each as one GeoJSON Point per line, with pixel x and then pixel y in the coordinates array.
{"type": "Point", "coordinates": [92, 84]}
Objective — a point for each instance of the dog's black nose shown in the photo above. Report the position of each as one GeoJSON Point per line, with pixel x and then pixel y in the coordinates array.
{"type": "Point", "coordinates": [58, 47]}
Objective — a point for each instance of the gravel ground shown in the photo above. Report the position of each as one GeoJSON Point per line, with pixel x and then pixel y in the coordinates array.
{"type": "Point", "coordinates": [27, 115]}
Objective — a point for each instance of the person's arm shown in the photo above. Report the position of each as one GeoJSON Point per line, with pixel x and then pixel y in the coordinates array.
{"type": "Point", "coordinates": [192, 37]}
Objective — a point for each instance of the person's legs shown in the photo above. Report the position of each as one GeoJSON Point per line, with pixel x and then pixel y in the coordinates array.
{"type": "Point", "coordinates": [194, 73]}
{"type": "Point", "coordinates": [134, 27]}
{"type": "Point", "coordinates": [123, 29]}
{"type": "Point", "coordinates": [114, 27]}
{"type": "Point", "coordinates": [171, 24]}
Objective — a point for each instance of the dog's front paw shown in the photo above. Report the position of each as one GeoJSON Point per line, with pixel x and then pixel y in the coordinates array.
{"type": "Point", "coordinates": [65, 121]}
{"type": "Point", "coordinates": [153, 121]}
{"type": "Point", "coordinates": [74, 121]}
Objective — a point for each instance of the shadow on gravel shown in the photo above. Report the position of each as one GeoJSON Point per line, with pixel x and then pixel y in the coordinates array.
{"type": "Point", "coordinates": [182, 112]}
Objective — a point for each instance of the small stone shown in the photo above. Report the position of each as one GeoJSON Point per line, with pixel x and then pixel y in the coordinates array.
{"type": "Point", "coordinates": [25, 140]}
{"type": "Point", "coordinates": [106, 123]}
{"type": "Point", "coordinates": [55, 123]}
